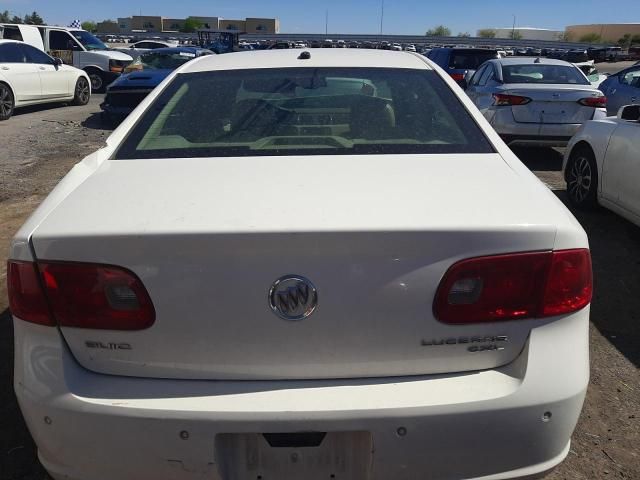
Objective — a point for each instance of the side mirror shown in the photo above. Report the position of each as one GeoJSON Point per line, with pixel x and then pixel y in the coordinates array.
{"type": "Point", "coordinates": [630, 113]}
{"type": "Point", "coordinates": [57, 61]}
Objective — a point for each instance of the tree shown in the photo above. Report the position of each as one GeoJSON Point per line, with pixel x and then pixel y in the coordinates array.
{"type": "Point", "coordinates": [591, 38]}
{"type": "Point", "coordinates": [515, 35]}
{"type": "Point", "coordinates": [464, 34]}
{"type": "Point", "coordinates": [16, 19]}
{"type": "Point", "coordinates": [635, 40]}
{"type": "Point", "coordinates": [89, 26]}
{"type": "Point", "coordinates": [487, 33]}
{"type": "Point", "coordinates": [439, 31]}
{"type": "Point", "coordinates": [4, 16]}
{"type": "Point", "coordinates": [33, 19]}
{"type": "Point", "coordinates": [191, 25]}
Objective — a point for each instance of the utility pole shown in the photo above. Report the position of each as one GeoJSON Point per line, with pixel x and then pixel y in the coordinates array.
{"type": "Point", "coordinates": [326, 22]}
{"type": "Point", "coordinates": [513, 30]}
{"type": "Point", "coordinates": [381, 16]}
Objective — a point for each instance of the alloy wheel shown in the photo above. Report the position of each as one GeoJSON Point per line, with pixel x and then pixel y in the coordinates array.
{"type": "Point", "coordinates": [96, 81]}
{"type": "Point", "coordinates": [82, 91]}
{"type": "Point", "coordinates": [6, 102]}
{"type": "Point", "coordinates": [580, 179]}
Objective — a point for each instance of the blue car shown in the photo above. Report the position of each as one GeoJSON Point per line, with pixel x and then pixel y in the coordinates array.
{"type": "Point", "coordinates": [144, 74]}
{"type": "Point", "coordinates": [622, 89]}
{"type": "Point", "coordinates": [461, 63]}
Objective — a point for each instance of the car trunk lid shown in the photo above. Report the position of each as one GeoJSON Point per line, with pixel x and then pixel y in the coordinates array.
{"type": "Point", "coordinates": [558, 104]}
{"type": "Point", "coordinates": [209, 237]}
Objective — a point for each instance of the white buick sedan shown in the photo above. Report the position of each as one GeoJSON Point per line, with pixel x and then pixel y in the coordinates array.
{"type": "Point", "coordinates": [301, 265]}
{"type": "Point", "coordinates": [29, 76]}
{"type": "Point", "coordinates": [602, 164]}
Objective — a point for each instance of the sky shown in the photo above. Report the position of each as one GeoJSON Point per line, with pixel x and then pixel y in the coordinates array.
{"type": "Point", "coordinates": [349, 16]}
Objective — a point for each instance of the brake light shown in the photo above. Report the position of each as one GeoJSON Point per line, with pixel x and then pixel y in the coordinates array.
{"type": "Point", "coordinates": [503, 100]}
{"type": "Point", "coordinates": [458, 77]}
{"type": "Point", "coordinates": [96, 296]}
{"type": "Point", "coordinates": [79, 295]}
{"type": "Point", "coordinates": [595, 102]}
{"type": "Point", "coordinates": [513, 286]}
{"type": "Point", "coordinates": [26, 296]}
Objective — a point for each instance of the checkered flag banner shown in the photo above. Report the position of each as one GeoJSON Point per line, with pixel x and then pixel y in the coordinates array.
{"type": "Point", "coordinates": [76, 24]}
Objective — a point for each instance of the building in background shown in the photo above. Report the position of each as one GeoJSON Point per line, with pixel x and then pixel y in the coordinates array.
{"type": "Point", "coordinates": [239, 25]}
{"type": "Point", "coordinates": [607, 32]}
{"type": "Point", "coordinates": [262, 25]}
{"type": "Point", "coordinates": [156, 24]}
{"type": "Point", "coordinates": [527, 33]}
{"type": "Point", "coordinates": [108, 26]}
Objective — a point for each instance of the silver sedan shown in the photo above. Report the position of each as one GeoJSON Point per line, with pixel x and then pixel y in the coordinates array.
{"type": "Point", "coordinates": [535, 101]}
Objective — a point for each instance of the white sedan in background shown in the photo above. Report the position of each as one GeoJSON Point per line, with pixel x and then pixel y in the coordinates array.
{"type": "Point", "coordinates": [602, 164]}
{"type": "Point", "coordinates": [267, 273]}
{"type": "Point", "coordinates": [535, 102]}
{"type": "Point", "coordinates": [28, 76]}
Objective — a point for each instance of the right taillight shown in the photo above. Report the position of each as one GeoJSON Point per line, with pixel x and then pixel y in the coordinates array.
{"type": "Point", "coordinates": [504, 100]}
{"type": "Point", "coordinates": [514, 286]}
{"type": "Point", "coordinates": [80, 295]}
{"type": "Point", "coordinates": [595, 102]}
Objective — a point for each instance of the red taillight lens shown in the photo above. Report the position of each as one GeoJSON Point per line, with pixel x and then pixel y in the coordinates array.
{"type": "Point", "coordinates": [570, 283]}
{"type": "Point", "coordinates": [26, 297]}
{"type": "Point", "coordinates": [502, 100]}
{"type": "Point", "coordinates": [458, 77]}
{"type": "Point", "coordinates": [508, 287]}
{"type": "Point", "coordinates": [595, 102]}
{"type": "Point", "coordinates": [96, 296]}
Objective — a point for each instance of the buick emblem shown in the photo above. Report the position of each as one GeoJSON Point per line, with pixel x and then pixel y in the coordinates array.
{"type": "Point", "coordinates": [293, 297]}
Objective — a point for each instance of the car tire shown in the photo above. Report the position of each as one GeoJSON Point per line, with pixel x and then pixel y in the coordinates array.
{"type": "Point", "coordinates": [7, 102]}
{"type": "Point", "coordinates": [82, 92]}
{"type": "Point", "coordinates": [97, 82]}
{"type": "Point", "coordinates": [582, 178]}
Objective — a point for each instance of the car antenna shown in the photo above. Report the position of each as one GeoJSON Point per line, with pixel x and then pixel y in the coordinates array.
{"type": "Point", "coordinates": [304, 55]}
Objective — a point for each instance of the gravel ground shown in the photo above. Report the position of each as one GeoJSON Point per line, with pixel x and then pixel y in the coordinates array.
{"type": "Point", "coordinates": [39, 146]}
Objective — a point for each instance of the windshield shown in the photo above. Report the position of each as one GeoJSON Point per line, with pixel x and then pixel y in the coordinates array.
{"type": "Point", "coordinates": [304, 111]}
{"type": "Point", "coordinates": [544, 74]}
{"type": "Point", "coordinates": [89, 41]}
{"type": "Point", "coordinates": [163, 60]}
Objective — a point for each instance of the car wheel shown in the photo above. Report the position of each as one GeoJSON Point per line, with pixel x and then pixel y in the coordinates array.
{"type": "Point", "coordinates": [82, 92]}
{"type": "Point", "coordinates": [97, 83]}
{"type": "Point", "coordinates": [582, 178]}
{"type": "Point", "coordinates": [7, 102]}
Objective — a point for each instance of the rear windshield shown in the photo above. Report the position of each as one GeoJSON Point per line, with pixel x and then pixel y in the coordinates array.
{"type": "Point", "coordinates": [545, 74]}
{"type": "Point", "coordinates": [304, 111]}
{"type": "Point", "coordinates": [470, 60]}
{"type": "Point", "coordinates": [163, 60]}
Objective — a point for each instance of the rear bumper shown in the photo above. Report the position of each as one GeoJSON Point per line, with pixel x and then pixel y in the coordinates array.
{"type": "Point", "coordinates": [480, 425]}
{"type": "Point", "coordinates": [534, 134]}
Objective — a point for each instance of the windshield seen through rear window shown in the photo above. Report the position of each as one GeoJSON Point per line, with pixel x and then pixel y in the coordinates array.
{"type": "Point", "coordinates": [546, 74]}
{"type": "Point", "coordinates": [304, 111]}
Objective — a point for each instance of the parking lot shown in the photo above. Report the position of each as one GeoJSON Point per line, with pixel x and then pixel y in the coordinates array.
{"type": "Point", "coordinates": [40, 144]}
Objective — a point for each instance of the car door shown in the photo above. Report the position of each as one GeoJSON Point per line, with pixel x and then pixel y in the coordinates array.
{"type": "Point", "coordinates": [473, 83]}
{"type": "Point", "coordinates": [622, 166]}
{"type": "Point", "coordinates": [484, 92]}
{"type": "Point", "coordinates": [622, 90]}
{"type": "Point", "coordinates": [54, 80]}
{"type": "Point", "coordinates": [22, 76]}
{"type": "Point", "coordinates": [62, 45]}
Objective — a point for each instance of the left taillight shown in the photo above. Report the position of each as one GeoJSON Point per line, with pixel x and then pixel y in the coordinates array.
{"type": "Point", "coordinates": [79, 295]}
{"type": "Point", "coordinates": [595, 102]}
{"type": "Point", "coordinates": [26, 295]}
{"type": "Point", "coordinates": [504, 100]}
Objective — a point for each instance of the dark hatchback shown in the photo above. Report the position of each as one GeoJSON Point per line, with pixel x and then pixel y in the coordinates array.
{"type": "Point", "coordinates": [461, 63]}
{"type": "Point", "coordinates": [145, 73]}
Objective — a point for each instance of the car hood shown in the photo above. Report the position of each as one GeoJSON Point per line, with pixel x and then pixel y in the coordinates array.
{"type": "Point", "coordinates": [113, 55]}
{"type": "Point", "coordinates": [143, 78]}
